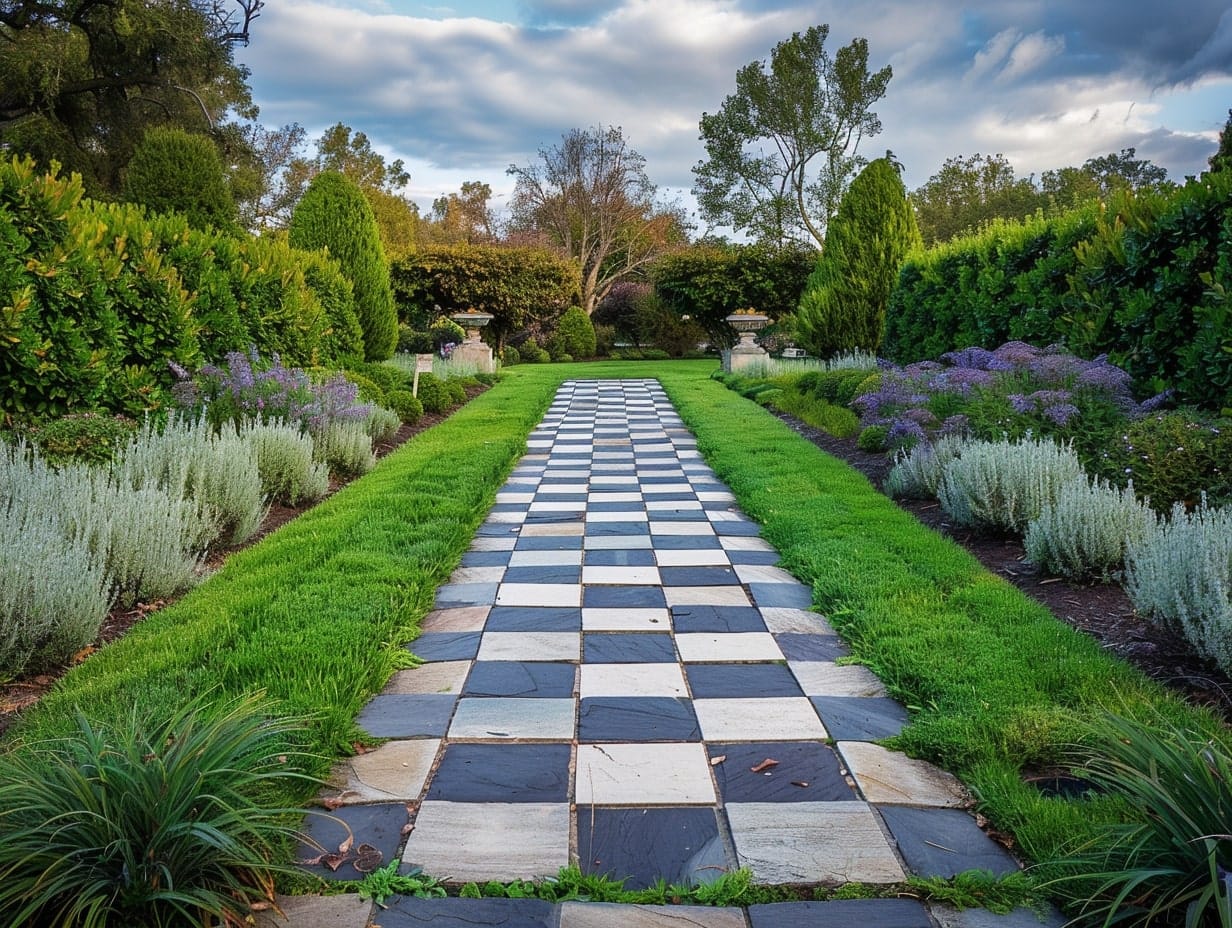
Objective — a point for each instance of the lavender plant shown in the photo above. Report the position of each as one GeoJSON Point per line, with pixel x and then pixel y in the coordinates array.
{"type": "Point", "coordinates": [917, 473]}
{"type": "Point", "coordinates": [1086, 529]}
{"type": "Point", "coordinates": [346, 447]}
{"type": "Point", "coordinates": [285, 462]}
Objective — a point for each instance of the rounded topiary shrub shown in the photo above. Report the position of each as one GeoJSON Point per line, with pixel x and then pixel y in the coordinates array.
{"type": "Point", "coordinates": [457, 392]}
{"type": "Point", "coordinates": [369, 390]}
{"type": "Point", "coordinates": [173, 171]}
{"type": "Point", "coordinates": [510, 355]}
{"type": "Point", "coordinates": [577, 333]}
{"type": "Point", "coordinates": [407, 406]}
{"type": "Point", "coordinates": [334, 215]}
{"type": "Point", "coordinates": [873, 438]}
{"type": "Point", "coordinates": [432, 394]}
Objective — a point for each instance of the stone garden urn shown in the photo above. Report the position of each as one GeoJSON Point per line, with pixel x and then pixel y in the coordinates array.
{"type": "Point", "coordinates": [473, 351]}
{"type": "Point", "coordinates": [748, 322]}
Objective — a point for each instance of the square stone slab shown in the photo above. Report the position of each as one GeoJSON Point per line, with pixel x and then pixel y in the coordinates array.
{"type": "Point", "coordinates": [461, 841]}
{"type": "Point", "coordinates": [502, 773]}
{"type": "Point", "coordinates": [486, 558]}
{"type": "Point", "coordinates": [785, 719]}
{"type": "Point", "coordinates": [465, 575]}
{"type": "Point", "coordinates": [812, 842]}
{"type": "Point", "coordinates": [642, 846]}
{"type": "Point", "coordinates": [706, 595]}
{"type": "Point", "coordinates": [621, 557]}
{"type": "Point", "coordinates": [754, 573]}
{"type": "Point", "coordinates": [780, 620]}
{"type": "Point", "coordinates": [683, 542]}
{"type": "Point", "coordinates": [548, 543]}
{"type": "Point", "coordinates": [699, 576]}
{"type": "Point", "coordinates": [736, 543]}
{"type": "Point", "coordinates": [445, 646]}
{"type": "Point", "coordinates": [735, 646]}
{"type": "Point", "coordinates": [642, 774]}
{"type": "Point", "coordinates": [378, 825]}
{"type": "Point", "coordinates": [508, 719]}
{"type": "Point", "coordinates": [759, 558]}
{"type": "Point", "coordinates": [539, 594]}
{"type": "Point", "coordinates": [783, 595]}
{"type": "Point", "coordinates": [841, 913]}
{"type": "Point", "coordinates": [342, 911]}
{"type": "Point", "coordinates": [465, 594]}
{"type": "Point", "coordinates": [690, 557]}
{"type": "Point", "coordinates": [717, 681]}
{"type": "Point", "coordinates": [407, 716]}
{"type": "Point", "coordinates": [627, 648]}
{"type": "Point", "coordinates": [701, 618]}
{"type": "Point", "coordinates": [822, 678]}
{"type": "Point", "coordinates": [854, 719]}
{"type": "Point", "coordinates": [944, 842]}
{"type": "Point", "coordinates": [619, 619]}
{"type": "Point", "coordinates": [553, 529]}
{"type": "Point", "coordinates": [809, 647]}
{"type": "Point", "coordinates": [636, 718]}
{"type": "Point", "coordinates": [891, 778]}
{"type": "Point", "coordinates": [545, 558]}
{"type": "Point", "coordinates": [394, 772]}
{"type": "Point", "coordinates": [530, 646]}
{"type": "Point", "coordinates": [806, 772]}
{"type": "Point", "coordinates": [623, 597]}
{"type": "Point", "coordinates": [620, 575]}
{"type": "Point", "coordinates": [609, 915]}
{"type": "Point", "coordinates": [743, 528]}
{"type": "Point", "coordinates": [656, 679]}
{"type": "Point", "coordinates": [520, 678]}
{"type": "Point", "coordinates": [439, 678]}
{"type": "Point", "coordinates": [617, 542]}
{"type": "Point", "coordinates": [567, 574]}
{"type": "Point", "coordinates": [534, 619]}
{"type": "Point", "coordinates": [482, 543]}
{"type": "Point", "coordinates": [689, 529]}
{"type": "Point", "coordinates": [458, 619]}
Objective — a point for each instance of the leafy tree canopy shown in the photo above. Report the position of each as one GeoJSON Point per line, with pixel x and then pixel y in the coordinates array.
{"type": "Point", "coordinates": [782, 148]}
{"type": "Point", "coordinates": [84, 79]}
{"type": "Point", "coordinates": [463, 217]}
{"type": "Point", "coordinates": [969, 192]}
{"type": "Point", "coordinates": [1222, 159]}
{"type": "Point", "coordinates": [591, 197]}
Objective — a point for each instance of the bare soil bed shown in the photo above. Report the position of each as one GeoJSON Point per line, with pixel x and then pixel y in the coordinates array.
{"type": "Point", "coordinates": [1101, 610]}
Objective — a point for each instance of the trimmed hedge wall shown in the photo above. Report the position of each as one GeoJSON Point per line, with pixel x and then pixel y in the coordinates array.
{"type": "Point", "coordinates": [97, 298]}
{"type": "Point", "coordinates": [1143, 278]}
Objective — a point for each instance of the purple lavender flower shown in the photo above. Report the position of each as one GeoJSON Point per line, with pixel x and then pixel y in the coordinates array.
{"type": "Point", "coordinates": [1060, 413]}
{"type": "Point", "coordinates": [1021, 403]}
{"type": "Point", "coordinates": [975, 359]}
{"type": "Point", "coordinates": [905, 432]}
{"type": "Point", "coordinates": [1156, 402]}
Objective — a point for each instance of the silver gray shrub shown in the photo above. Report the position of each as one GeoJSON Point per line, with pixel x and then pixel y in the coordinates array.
{"type": "Point", "coordinates": [1004, 485]}
{"type": "Point", "coordinates": [1086, 529]}
{"type": "Point", "coordinates": [916, 474]}
{"type": "Point", "coordinates": [217, 470]}
{"type": "Point", "coordinates": [1181, 577]}
{"type": "Point", "coordinates": [382, 424]}
{"type": "Point", "coordinates": [345, 446]}
{"type": "Point", "coordinates": [288, 471]}
{"type": "Point", "coordinates": [54, 590]}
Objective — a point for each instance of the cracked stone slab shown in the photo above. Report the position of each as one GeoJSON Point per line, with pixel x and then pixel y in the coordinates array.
{"type": "Point", "coordinates": [343, 911]}
{"type": "Point", "coordinates": [610, 915]}
{"type": "Point", "coordinates": [895, 779]}
{"type": "Point", "coordinates": [397, 770]}
{"type": "Point", "coordinates": [461, 841]}
{"type": "Point", "coordinates": [812, 842]}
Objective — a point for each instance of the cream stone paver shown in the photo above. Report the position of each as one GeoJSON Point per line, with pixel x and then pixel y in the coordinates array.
{"type": "Point", "coordinates": [394, 772]}
{"type": "Point", "coordinates": [681, 528]}
{"type": "Point", "coordinates": [763, 573]}
{"type": "Point", "coordinates": [455, 619]}
{"type": "Point", "coordinates": [429, 678]}
{"type": "Point", "coordinates": [706, 595]}
{"type": "Point", "coordinates": [610, 915]}
{"type": "Point", "coordinates": [544, 529]}
{"type": "Point", "coordinates": [530, 646]}
{"type": "Point", "coordinates": [460, 841]}
{"type": "Point", "coordinates": [539, 594]}
{"type": "Point", "coordinates": [895, 779]}
{"type": "Point", "coordinates": [692, 557]}
{"type": "Point", "coordinates": [494, 542]}
{"type": "Point", "coordinates": [664, 679]}
{"type": "Point", "coordinates": [812, 842]}
{"type": "Point", "coordinates": [781, 619]}
{"type": "Point", "coordinates": [824, 678]}
{"type": "Point", "coordinates": [698, 647]}
{"type": "Point", "coordinates": [784, 718]}
{"type": "Point", "coordinates": [545, 558]}
{"type": "Point", "coordinates": [342, 911]}
{"type": "Point", "coordinates": [745, 543]}
{"type": "Point", "coordinates": [513, 719]}
{"type": "Point", "coordinates": [632, 576]}
{"type": "Point", "coordinates": [643, 774]}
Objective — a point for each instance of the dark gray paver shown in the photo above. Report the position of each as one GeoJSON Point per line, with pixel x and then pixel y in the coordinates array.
{"type": "Point", "coordinates": [409, 912]}
{"type": "Point", "coordinates": [846, 913]}
{"type": "Point", "coordinates": [944, 842]}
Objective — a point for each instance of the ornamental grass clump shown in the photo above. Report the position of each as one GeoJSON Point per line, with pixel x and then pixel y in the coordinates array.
{"type": "Point", "coordinates": [1181, 576]}
{"type": "Point", "coordinates": [289, 474]}
{"type": "Point", "coordinates": [1086, 529]}
{"type": "Point", "coordinates": [1004, 485]}
{"type": "Point", "coordinates": [1168, 862]}
{"type": "Point", "coordinates": [218, 470]}
{"type": "Point", "coordinates": [916, 473]}
{"type": "Point", "coordinates": [151, 822]}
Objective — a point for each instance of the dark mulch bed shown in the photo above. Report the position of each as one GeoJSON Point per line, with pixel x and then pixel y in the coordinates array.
{"type": "Point", "coordinates": [1101, 610]}
{"type": "Point", "coordinates": [24, 692]}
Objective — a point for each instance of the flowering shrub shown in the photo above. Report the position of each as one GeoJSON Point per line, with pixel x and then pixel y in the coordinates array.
{"type": "Point", "coordinates": [244, 387]}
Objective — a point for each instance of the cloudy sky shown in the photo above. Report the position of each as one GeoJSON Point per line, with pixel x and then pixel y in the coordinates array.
{"type": "Point", "coordinates": [460, 89]}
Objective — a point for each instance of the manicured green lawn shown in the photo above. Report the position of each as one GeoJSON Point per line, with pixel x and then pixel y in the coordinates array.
{"type": "Point", "coordinates": [317, 614]}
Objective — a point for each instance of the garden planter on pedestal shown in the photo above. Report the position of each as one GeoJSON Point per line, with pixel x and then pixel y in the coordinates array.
{"type": "Point", "coordinates": [474, 351]}
{"type": "Point", "coordinates": [748, 322]}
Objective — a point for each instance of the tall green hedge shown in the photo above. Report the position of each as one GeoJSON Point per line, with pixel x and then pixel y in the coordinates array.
{"type": "Point", "coordinates": [1144, 278]}
{"type": "Point", "coordinates": [176, 171]}
{"type": "Point", "coordinates": [97, 298]}
{"type": "Point", "coordinates": [335, 215]}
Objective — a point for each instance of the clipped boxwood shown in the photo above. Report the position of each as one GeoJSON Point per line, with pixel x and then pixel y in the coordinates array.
{"type": "Point", "coordinates": [433, 394]}
{"type": "Point", "coordinates": [408, 407]}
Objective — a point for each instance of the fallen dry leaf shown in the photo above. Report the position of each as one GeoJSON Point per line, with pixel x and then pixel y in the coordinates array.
{"type": "Point", "coordinates": [765, 765]}
{"type": "Point", "coordinates": [717, 759]}
{"type": "Point", "coordinates": [82, 654]}
{"type": "Point", "coordinates": [260, 906]}
{"type": "Point", "coordinates": [332, 803]}
{"type": "Point", "coordinates": [345, 846]}
{"type": "Point", "coordinates": [367, 858]}
{"type": "Point", "coordinates": [800, 783]}
{"type": "Point", "coordinates": [333, 861]}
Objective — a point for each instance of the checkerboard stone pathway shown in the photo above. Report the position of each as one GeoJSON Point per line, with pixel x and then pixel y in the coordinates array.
{"type": "Point", "coordinates": [610, 676]}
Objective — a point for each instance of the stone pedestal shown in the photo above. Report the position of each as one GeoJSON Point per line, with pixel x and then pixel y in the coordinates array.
{"type": "Point", "coordinates": [473, 350]}
{"type": "Point", "coordinates": [746, 352]}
